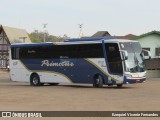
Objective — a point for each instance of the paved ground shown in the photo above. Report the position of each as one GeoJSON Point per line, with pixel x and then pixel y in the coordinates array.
{"type": "Point", "coordinates": [78, 97]}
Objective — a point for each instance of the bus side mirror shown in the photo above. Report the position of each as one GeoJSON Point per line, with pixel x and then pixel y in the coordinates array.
{"type": "Point", "coordinates": [124, 55]}
{"type": "Point", "coordinates": [146, 53]}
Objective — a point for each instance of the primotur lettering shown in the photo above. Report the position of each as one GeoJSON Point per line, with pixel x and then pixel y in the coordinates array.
{"type": "Point", "coordinates": [56, 64]}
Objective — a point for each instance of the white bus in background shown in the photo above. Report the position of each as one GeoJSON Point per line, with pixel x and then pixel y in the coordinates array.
{"type": "Point", "coordinates": [97, 61]}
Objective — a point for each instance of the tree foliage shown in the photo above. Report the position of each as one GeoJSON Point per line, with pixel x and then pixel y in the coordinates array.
{"type": "Point", "coordinates": [37, 37]}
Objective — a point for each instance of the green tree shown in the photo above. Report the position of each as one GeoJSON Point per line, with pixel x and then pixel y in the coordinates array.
{"type": "Point", "coordinates": [37, 37]}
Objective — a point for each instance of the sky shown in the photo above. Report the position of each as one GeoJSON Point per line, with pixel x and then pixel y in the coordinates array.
{"type": "Point", "coordinates": [118, 17]}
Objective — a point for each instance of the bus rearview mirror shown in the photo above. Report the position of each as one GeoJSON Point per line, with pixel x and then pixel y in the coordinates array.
{"type": "Point", "coordinates": [124, 54]}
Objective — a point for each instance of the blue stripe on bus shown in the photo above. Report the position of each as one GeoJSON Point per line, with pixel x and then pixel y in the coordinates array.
{"type": "Point", "coordinates": [77, 70]}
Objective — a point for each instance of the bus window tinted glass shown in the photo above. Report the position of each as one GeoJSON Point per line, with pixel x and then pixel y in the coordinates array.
{"type": "Point", "coordinates": [15, 53]}
{"type": "Point", "coordinates": [63, 51]}
{"type": "Point", "coordinates": [114, 58]}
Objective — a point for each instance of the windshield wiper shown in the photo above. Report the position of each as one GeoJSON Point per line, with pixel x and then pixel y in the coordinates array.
{"type": "Point", "coordinates": [136, 60]}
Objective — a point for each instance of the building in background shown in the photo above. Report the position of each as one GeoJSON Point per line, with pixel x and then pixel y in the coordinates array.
{"type": "Point", "coordinates": [8, 36]}
{"type": "Point", "coordinates": [101, 34]}
{"type": "Point", "coordinates": [106, 34]}
{"type": "Point", "coordinates": [127, 37]}
{"type": "Point", "coordinates": [151, 41]}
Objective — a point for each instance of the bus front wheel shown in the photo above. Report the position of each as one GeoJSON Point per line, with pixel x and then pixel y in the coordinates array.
{"type": "Point", "coordinates": [98, 81]}
{"type": "Point", "coordinates": [35, 80]}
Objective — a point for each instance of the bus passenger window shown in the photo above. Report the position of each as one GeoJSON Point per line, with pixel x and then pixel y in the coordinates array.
{"type": "Point", "coordinates": [15, 53]}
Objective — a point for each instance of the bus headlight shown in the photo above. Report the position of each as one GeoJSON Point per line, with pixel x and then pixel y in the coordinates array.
{"type": "Point", "coordinates": [144, 75]}
{"type": "Point", "coordinates": [128, 75]}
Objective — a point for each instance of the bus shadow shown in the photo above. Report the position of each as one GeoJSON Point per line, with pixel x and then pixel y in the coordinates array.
{"type": "Point", "coordinates": [71, 86]}
{"type": "Point", "coordinates": [91, 87]}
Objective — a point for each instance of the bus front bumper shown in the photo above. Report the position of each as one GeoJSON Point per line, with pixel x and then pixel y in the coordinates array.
{"type": "Point", "coordinates": [133, 80]}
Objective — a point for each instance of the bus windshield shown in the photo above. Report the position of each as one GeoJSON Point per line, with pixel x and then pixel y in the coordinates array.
{"type": "Point", "coordinates": [134, 63]}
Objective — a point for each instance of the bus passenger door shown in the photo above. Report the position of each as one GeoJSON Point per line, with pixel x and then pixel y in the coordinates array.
{"type": "Point", "coordinates": [113, 61]}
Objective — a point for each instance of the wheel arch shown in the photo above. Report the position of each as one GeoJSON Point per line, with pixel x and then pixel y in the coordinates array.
{"type": "Point", "coordinates": [98, 74]}
{"type": "Point", "coordinates": [34, 73]}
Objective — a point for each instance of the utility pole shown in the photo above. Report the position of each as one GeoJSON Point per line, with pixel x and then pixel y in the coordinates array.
{"type": "Point", "coordinates": [44, 37]}
{"type": "Point", "coordinates": [80, 31]}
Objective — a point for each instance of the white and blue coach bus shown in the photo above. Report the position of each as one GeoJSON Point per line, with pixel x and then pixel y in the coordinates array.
{"type": "Point", "coordinates": [97, 61]}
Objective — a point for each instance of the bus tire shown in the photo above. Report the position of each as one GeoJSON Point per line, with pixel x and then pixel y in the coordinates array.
{"type": "Point", "coordinates": [35, 80]}
{"type": "Point", "coordinates": [119, 85]}
{"type": "Point", "coordinates": [98, 81]}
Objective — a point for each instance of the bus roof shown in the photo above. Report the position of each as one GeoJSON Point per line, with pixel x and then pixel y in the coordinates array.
{"type": "Point", "coordinates": [73, 41]}
{"type": "Point", "coordinates": [32, 44]}
{"type": "Point", "coordinates": [88, 39]}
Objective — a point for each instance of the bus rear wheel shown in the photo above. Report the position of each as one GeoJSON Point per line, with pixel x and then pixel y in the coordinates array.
{"type": "Point", "coordinates": [98, 81]}
{"type": "Point", "coordinates": [35, 80]}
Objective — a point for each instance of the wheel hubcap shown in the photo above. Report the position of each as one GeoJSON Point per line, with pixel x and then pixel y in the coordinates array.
{"type": "Point", "coordinates": [35, 81]}
{"type": "Point", "coordinates": [97, 81]}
